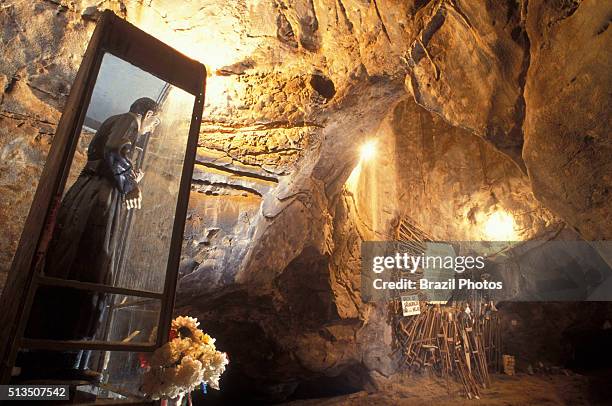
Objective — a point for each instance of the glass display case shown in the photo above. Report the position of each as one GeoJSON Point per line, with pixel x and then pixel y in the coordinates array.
{"type": "Point", "coordinates": [91, 290]}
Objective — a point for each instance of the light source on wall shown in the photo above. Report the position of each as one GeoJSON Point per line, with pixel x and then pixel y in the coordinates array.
{"type": "Point", "coordinates": [367, 150]}
{"type": "Point", "coordinates": [207, 34]}
{"type": "Point", "coordinates": [500, 226]}
{"type": "Point", "coordinates": [220, 90]}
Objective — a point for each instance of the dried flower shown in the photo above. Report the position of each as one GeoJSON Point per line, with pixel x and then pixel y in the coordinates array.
{"type": "Point", "coordinates": [189, 359]}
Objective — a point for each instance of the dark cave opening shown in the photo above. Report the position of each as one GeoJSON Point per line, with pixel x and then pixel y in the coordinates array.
{"type": "Point", "coordinates": [323, 85]}
{"type": "Point", "coordinates": [590, 349]}
{"type": "Point", "coordinates": [324, 126]}
{"type": "Point", "coordinates": [350, 380]}
{"type": "Point", "coordinates": [590, 355]}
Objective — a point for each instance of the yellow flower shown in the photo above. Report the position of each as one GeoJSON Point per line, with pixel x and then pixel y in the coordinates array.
{"type": "Point", "coordinates": [183, 363]}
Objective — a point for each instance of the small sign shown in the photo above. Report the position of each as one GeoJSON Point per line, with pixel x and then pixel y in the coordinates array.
{"type": "Point", "coordinates": [410, 305]}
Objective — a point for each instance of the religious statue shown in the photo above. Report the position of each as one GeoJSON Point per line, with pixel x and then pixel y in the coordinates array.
{"type": "Point", "coordinates": [85, 245]}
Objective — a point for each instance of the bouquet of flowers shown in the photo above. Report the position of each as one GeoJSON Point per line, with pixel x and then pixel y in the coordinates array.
{"type": "Point", "coordinates": [188, 361]}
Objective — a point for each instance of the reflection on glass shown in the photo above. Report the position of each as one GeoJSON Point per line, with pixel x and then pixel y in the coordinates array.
{"type": "Point", "coordinates": [144, 257]}
{"type": "Point", "coordinates": [120, 376]}
{"type": "Point", "coordinates": [114, 224]}
{"type": "Point", "coordinates": [126, 320]}
{"type": "Point", "coordinates": [122, 373]}
{"type": "Point", "coordinates": [131, 320]}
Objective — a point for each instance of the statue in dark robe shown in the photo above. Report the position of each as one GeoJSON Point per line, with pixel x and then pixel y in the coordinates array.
{"type": "Point", "coordinates": [85, 244]}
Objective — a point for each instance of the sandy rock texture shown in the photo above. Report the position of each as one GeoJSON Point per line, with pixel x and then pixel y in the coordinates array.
{"type": "Point", "coordinates": [469, 62]}
{"type": "Point", "coordinates": [567, 123]}
{"type": "Point", "coordinates": [474, 108]}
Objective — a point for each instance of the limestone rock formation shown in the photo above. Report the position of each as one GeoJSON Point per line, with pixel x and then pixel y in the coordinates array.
{"type": "Point", "coordinates": [567, 124]}
{"type": "Point", "coordinates": [469, 64]}
{"type": "Point", "coordinates": [474, 108]}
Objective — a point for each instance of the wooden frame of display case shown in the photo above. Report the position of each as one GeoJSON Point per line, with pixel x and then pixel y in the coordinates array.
{"type": "Point", "coordinates": [118, 37]}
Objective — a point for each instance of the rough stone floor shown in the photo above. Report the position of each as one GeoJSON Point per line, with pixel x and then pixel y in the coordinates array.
{"type": "Point", "coordinates": [518, 390]}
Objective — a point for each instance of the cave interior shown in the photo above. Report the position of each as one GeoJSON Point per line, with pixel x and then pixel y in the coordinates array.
{"type": "Point", "coordinates": [329, 123]}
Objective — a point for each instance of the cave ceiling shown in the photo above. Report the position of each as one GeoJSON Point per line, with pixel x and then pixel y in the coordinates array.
{"type": "Point", "coordinates": [475, 108]}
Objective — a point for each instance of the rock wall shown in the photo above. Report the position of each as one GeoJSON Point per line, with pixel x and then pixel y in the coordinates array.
{"type": "Point", "coordinates": [300, 280]}
{"type": "Point", "coordinates": [531, 78]}
{"type": "Point", "coordinates": [567, 121]}
{"type": "Point", "coordinates": [475, 107]}
{"type": "Point", "coordinates": [453, 181]}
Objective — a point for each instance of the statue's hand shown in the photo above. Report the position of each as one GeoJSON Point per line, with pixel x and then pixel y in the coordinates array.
{"type": "Point", "coordinates": [139, 175]}
{"type": "Point", "coordinates": [133, 199]}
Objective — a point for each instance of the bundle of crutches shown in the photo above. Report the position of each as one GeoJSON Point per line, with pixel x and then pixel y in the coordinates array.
{"type": "Point", "coordinates": [450, 341]}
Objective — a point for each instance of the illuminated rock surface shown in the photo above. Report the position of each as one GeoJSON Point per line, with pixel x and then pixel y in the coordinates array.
{"type": "Point", "coordinates": [476, 108]}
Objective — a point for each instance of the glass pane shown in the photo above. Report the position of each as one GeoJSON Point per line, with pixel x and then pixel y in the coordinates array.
{"type": "Point", "coordinates": [147, 240]}
{"type": "Point", "coordinates": [110, 317]}
{"type": "Point", "coordinates": [131, 319]}
{"type": "Point", "coordinates": [114, 224]}
{"type": "Point", "coordinates": [137, 250]}
{"type": "Point", "coordinates": [122, 373]}
{"type": "Point", "coordinates": [122, 320]}
{"type": "Point", "coordinates": [119, 375]}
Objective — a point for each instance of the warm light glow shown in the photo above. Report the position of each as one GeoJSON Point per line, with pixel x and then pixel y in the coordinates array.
{"type": "Point", "coordinates": [368, 150]}
{"type": "Point", "coordinates": [500, 226]}
{"type": "Point", "coordinates": [220, 91]}
{"type": "Point", "coordinates": [366, 153]}
{"type": "Point", "coordinates": [213, 40]}
{"type": "Point", "coordinates": [353, 180]}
